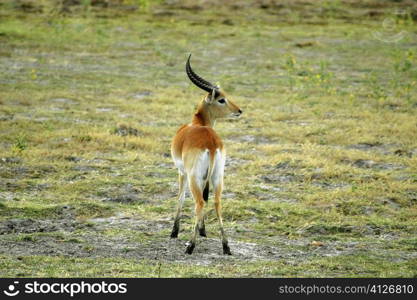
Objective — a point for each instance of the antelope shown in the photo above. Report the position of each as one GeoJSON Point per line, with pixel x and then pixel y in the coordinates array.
{"type": "Point", "coordinates": [199, 155]}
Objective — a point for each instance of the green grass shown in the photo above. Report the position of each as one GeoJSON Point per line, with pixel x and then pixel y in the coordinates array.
{"type": "Point", "coordinates": [326, 149]}
{"type": "Point", "coordinates": [342, 266]}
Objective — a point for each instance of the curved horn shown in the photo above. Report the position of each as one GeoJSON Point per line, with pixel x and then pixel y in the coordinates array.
{"type": "Point", "coordinates": [197, 80]}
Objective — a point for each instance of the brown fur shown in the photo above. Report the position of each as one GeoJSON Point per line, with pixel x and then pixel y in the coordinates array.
{"type": "Point", "coordinates": [200, 134]}
{"type": "Point", "coordinates": [193, 137]}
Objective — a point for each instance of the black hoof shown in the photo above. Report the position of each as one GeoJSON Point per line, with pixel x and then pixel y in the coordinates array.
{"type": "Point", "coordinates": [226, 249]}
{"type": "Point", "coordinates": [190, 248]}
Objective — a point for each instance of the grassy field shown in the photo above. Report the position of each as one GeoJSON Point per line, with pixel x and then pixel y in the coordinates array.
{"type": "Point", "coordinates": [321, 176]}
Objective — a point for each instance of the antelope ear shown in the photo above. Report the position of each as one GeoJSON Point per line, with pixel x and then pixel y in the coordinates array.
{"type": "Point", "coordinates": [211, 97]}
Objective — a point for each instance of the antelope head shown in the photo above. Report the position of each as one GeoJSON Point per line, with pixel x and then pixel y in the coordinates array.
{"type": "Point", "coordinates": [215, 104]}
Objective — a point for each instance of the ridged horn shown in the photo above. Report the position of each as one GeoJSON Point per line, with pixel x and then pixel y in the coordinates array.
{"type": "Point", "coordinates": [197, 80]}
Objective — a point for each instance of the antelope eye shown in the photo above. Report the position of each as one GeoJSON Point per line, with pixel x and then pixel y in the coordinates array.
{"type": "Point", "coordinates": [222, 101]}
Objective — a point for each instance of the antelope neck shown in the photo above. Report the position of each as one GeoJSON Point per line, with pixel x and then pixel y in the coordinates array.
{"type": "Point", "coordinates": [203, 118]}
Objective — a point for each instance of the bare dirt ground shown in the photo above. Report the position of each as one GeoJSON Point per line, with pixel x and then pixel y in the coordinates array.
{"type": "Point", "coordinates": [91, 243]}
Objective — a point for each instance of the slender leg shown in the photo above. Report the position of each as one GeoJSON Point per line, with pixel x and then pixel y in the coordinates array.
{"type": "Point", "coordinates": [218, 206]}
{"type": "Point", "coordinates": [202, 228]}
{"type": "Point", "coordinates": [181, 196]}
{"type": "Point", "coordinates": [199, 216]}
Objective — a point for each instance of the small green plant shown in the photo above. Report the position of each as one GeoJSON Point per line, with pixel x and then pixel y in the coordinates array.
{"type": "Point", "coordinates": [20, 143]}
{"type": "Point", "coordinates": [84, 138]}
{"type": "Point", "coordinates": [377, 91]}
{"type": "Point", "coordinates": [290, 66]}
{"type": "Point", "coordinates": [27, 238]}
